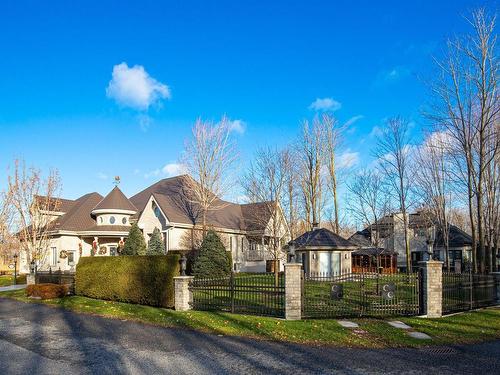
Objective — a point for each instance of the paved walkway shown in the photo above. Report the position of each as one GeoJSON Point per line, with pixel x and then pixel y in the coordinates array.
{"type": "Point", "coordinates": [12, 287]}
{"type": "Point", "coordinates": [38, 339]}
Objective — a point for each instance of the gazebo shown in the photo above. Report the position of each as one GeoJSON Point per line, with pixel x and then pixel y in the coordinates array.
{"type": "Point", "coordinates": [369, 258]}
{"type": "Point", "coordinates": [323, 252]}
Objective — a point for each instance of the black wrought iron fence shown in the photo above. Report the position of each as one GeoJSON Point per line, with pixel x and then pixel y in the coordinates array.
{"type": "Point", "coordinates": [56, 277]}
{"type": "Point", "coordinates": [257, 294]}
{"type": "Point", "coordinates": [360, 294]}
{"type": "Point", "coordinates": [466, 291]}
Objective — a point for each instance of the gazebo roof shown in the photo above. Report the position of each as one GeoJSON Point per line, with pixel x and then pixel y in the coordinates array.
{"type": "Point", "coordinates": [321, 239]}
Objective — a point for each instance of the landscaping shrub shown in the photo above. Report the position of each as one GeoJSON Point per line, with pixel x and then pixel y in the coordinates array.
{"type": "Point", "coordinates": [146, 280]}
{"type": "Point", "coordinates": [47, 291]}
{"type": "Point", "coordinates": [134, 244]}
{"type": "Point", "coordinates": [155, 244]}
{"type": "Point", "coordinates": [213, 260]}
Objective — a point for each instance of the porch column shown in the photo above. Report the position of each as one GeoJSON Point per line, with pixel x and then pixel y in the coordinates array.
{"type": "Point", "coordinates": [432, 288]}
{"type": "Point", "coordinates": [183, 297]}
{"type": "Point", "coordinates": [293, 291]}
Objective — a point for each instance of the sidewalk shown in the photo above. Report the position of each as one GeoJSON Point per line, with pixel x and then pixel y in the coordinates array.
{"type": "Point", "coordinates": [12, 287]}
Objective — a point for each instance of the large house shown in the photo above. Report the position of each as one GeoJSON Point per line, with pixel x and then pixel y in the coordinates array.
{"type": "Point", "coordinates": [389, 233]}
{"type": "Point", "coordinates": [93, 225]}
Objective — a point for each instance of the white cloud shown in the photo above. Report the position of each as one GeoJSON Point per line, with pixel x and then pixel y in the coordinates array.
{"type": "Point", "coordinates": [385, 77]}
{"type": "Point", "coordinates": [135, 88]}
{"type": "Point", "coordinates": [237, 126]}
{"type": "Point", "coordinates": [102, 176]}
{"type": "Point", "coordinates": [377, 131]}
{"type": "Point", "coordinates": [174, 169]}
{"type": "Point", "coordinates": [348, 159]}
{"type": "Point", "coordinates": [325, 104]}
{"type": "Point", "coordinates": [353, 119]}
{"type": "Point", "coordinates": [144, 122]}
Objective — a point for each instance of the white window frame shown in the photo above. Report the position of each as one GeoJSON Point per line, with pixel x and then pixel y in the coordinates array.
{"type": "Point", "coordinates": [54, 255]}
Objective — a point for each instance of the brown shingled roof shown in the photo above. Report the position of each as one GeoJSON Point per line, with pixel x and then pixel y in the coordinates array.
{"type": "Point", "coordinates": [108, 228]}
{"type": "Point", "coordinates": [256, 215]}
{"type": "Point", "coordinates": [56, 204]}
{"type": "Point", "coordinates": [78, 217]}
{"type": "Point", "coordinates": [173, 197]}
{"type": "Point", "coordinates": [115, 200]}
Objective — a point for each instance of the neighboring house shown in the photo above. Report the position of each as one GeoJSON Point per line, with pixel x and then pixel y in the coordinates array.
{"type": "Point", "coordinates": [93, 225]}
{"type": "Point", "coordinates": [369, 258]}
{"type": "Point", "coordinates": [323, 252]}
{"type": "Point", "coordinates": [421, 229]}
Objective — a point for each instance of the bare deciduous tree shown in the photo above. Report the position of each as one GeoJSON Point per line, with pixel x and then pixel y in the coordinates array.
{"type": "Point", "coordinates": [368, 200]}
{"type": "Point", "coordinates": [265, 183]}
{"type": "Point", "coordinates": [333, 139]}
{"type": "Point", "coordinates": [32, 197]}
{"type": "Point", "coordinates": [393, 155]}
{"type": "Point", "coordinates": [310, 151]}
{"type": "Point", "coordinates": [209, 156]}
{"type": "Point", "coordinates": [466, 106]}
{"type": "Point", "coordinates": [433, 183]}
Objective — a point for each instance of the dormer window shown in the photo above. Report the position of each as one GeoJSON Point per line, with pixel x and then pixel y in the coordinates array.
{"type": "Point", "coordinates": [157, 212]}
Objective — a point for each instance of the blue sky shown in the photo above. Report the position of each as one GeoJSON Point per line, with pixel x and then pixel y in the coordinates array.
{"type": "Point", "coordinates": [263, 64]}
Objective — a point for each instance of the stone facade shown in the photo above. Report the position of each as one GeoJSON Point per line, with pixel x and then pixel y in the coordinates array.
{"type": "Point", "coordinates": [293, 291]}
{"type": "Point", "coordinates": [432, 288]}
{"type": "Point", "coordinates": [183, 296]}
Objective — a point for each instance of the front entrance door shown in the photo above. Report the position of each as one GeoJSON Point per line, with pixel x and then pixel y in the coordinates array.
{"type": "Point", "coordinates": [325, 263]}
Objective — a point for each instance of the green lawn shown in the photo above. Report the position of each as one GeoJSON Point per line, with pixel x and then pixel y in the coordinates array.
{"type": "Point", "coordinates": [464, 328]}
{"type": "Point", "coordinates": [7, 280]}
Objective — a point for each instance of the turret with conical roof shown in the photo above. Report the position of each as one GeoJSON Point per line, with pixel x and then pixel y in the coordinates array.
{"type": "Point", "coordinates": [114, 208]}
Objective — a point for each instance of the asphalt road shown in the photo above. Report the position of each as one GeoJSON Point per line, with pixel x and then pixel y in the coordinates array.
{"type": "Point", "coordinates": [38, 339]}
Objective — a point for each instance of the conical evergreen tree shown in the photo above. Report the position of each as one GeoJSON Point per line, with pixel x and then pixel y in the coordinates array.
{"type": "Point", "coordinates": [135, 244]}
{"type": "Point", "coordinates": [155, 244]}
{"type": "Point", "coordinates": [213, 260]}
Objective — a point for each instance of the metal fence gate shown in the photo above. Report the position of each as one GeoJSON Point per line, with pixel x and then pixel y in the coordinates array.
{"type": "Point", "coordinates": [258, 294]}
{"type": "Point", "coordinates": [360, 294]}
{"type": "Point", "coordinates": [466, 291]}
{"type": "Point", "coordinates": [56, 277]}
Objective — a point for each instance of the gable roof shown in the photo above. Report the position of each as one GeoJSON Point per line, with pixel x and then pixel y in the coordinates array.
{"type": "Point", "coordinates": [321, 238]}
{"type": "Point", "coordinates": [361, 238]}
{"type": "Point", "coordinates": [456, 238]}
{"type": "Point", "coordinates": [173, 196]}
{"type": "Point", "coordinates": [78, 217]}
{"type": "Point", "coordinates": [56, 204]}
{"type": "Point", "coordinates": [115, 200]}
{"type": "Point", "coordinates": [256, 215]}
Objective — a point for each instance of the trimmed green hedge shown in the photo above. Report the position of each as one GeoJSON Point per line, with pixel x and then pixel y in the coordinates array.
{"type": "Point", "coordinates": [146, 280]}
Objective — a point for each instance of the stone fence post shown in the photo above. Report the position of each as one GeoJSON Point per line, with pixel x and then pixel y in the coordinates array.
{"type": "Point", "coordinates": [30, 279]}
{"type": "Point", "coordinates": [496, 275]}
{"type": "Point", "coordinates": [432, 273]}
{"type": "Point", "coordinates": [293, 291]}
{"type": "Point", "coordinates": [182, 295]}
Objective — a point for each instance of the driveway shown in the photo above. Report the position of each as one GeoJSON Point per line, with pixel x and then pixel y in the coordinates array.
{"type": "Point", "coordinates": [38, 339]}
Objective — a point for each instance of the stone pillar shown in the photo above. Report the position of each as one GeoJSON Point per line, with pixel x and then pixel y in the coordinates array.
{"type": "Point", "coordinates": [432, 288]}
{"type": "Point", "coordinates": [293, 291]}
{"type": "Point", "coordinates": [182, 295]}
{"type": "Point", "coordinates": [30, 279]}
{"type": "Point", "coordinates": [496, 275]}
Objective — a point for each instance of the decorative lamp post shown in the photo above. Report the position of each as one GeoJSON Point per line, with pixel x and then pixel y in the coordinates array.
{"type": "Point", "coordinates": [183, 263]}
{"type": "Point", "coordinates": [15, 269]}
{"type": "Point", "coordinates": [291, 251]}
{"type": "Point", "coordinates": [430, 242]}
